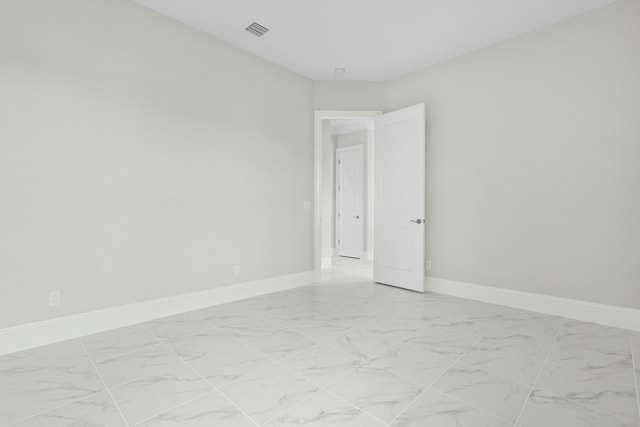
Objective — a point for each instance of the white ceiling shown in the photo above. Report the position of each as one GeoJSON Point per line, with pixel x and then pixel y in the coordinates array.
{"type": "Point", "coordinates": [373, 40]}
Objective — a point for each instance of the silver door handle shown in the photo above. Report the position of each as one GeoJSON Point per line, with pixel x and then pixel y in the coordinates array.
{"type": "Point", "coordinates": [356, 216]}
{"type": "Point", "coordinates": [417, 221]}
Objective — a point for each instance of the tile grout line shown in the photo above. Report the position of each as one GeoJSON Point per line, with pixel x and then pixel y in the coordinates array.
{"type": "Point", "coordinates": [12, 423]}
{"type": "Point", "coordinates": [77, 340]}
{"type": "Point", "coordinates": [321, 388]}
{"type": "Point", "coordinates": [316, 341]}
{"type": "Point", "coordinates": [280, 363]}
{"type": "Point", "coordinates": [214, 388]}
{"type": "Point", "coordinates": [186, 402]}
{"type": "Point", "coordinates": [105, 386]}
{"type": "Point", "coordinates": [444, 373]}
{"type": "Point", "coordinates": [126, 352]}
{"type": "Point", "coordinates": [577, 402]}
{"type": "Point", "coordinates": [546, 359]}
{"type": "Point", "coordinates": [21, 420]}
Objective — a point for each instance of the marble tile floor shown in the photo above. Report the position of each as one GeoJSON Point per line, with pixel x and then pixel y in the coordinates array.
{"type": "Point", "coordinates": [339, 354]}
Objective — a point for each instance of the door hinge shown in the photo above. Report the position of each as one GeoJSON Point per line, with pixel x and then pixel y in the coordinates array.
{"type": "Point", "coordinates": [338, 214]}
{"type": "Point", "coordinates": [339, 189]}
{"type": "Point", "coordinates": [339, 161]}
{"type": "Point", "coordinates": [338, 241]}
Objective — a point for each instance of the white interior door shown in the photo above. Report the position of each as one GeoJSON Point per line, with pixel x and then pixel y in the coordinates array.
{"type": "Point", "coordinates": [399, 175]}
{"type": "Point", "coordinates": [349, 201]}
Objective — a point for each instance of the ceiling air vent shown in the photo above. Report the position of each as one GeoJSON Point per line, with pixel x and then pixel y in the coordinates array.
{"type": "Point", "coordinates": [257, 29]}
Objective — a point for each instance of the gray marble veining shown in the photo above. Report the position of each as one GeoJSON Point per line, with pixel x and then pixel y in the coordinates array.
{"type": "Point", "coordinates": [281, 344]}
{"type": "Point", "coordinates": [446, 345]}
{"type": "Point", "coordinates": [548, 410]}
{"type": "Point", "coordinates": [377, 391]}
{"type": "Point", "coordinates": [597, 349]}
{"type": "Point", "coordinates": [131, 366]}
{"type": "Point", "coordinates": [265, 393]}
{"type": "Point", "coordinates": [117, 342]}
{"type": "Point", "coordinates": [230, 364]}
{"type": "Point", "coordinates": [251, 328]}
{"type": "Point", "coordinates": [324, 410]}
{"type": "Point", "coordinates": [503, 363]}
{"type": "Point", "coordinates": [322, 364]}
{"type": "Point", "coordinates": [483, 390]}
{"type": "Point", "coordinates": [19, 368]}
{"type": "Point", "coordinates": [95, 411]}
{"type": "Point", "coordinates": [414, 363]}
{"type": "Point", "coordinates": [204, 343]}
{"type": "Point", "coordinates": [31, 398]}
{"type": "Point", "coordinates": [517, 342]}
{"type": "Point", "coordinates": [177, 326]}
{"type": "Point", "coordinates": [344, 353]}
{"type": "Point", "coordinates": [434, 409]}
{"type": "Point", "coordinates": [209, 410]}
{"type": "Point", "coordinates": [152, 395]}
{"type": "Point", "coordinates": [599, 393]}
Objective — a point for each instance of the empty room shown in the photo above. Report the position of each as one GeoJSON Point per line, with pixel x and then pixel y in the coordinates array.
{"type": "Point", "coordinates": [356, 213]}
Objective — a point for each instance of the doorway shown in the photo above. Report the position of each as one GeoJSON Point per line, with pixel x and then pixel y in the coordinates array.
{"type": "Point", "coordinates": [399, 194]}
{"type": "Point", "coordinates": [332, 128]}
{"type": "Point", "coordinates": [350, 201]}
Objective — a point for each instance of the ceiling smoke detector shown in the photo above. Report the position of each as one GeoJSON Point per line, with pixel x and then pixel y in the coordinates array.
{"type": "Point", "coordinates": [257, 29]}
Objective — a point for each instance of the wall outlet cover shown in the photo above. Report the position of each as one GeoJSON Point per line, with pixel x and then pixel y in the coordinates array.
{"type": "Point", "coordinates": [54, 298]}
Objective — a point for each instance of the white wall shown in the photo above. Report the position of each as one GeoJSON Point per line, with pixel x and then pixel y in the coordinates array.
{"type": "Point", "coordinates": [349, 95]}
{"type": "Point", "coordinates": [533, 159]}
{"type": "Point", "coordinates": [140, 158]}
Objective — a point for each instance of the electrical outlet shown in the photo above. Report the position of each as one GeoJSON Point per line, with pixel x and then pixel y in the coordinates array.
{"type": "Point", "coordinates": [54, 298]}
{"type": "Point", "coordinates": [427, 265]}
{"type": "Point", "coordinates": [236, 270]}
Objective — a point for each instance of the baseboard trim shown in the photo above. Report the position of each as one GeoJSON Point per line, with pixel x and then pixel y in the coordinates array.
{"type": "Point", "coordinates": [45, 332]}
{"type": "Point", "coordinates": [326, 263]}
{"type": "Point", "coordinates": [620, 317]}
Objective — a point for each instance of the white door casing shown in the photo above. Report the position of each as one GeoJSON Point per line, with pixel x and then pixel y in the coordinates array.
{"type": "Point", "coordinates": [319, 117]}
{"type": "Point", "coordinates": [399, 198]}
{"type": "Point", "coordinates": [350, 201]}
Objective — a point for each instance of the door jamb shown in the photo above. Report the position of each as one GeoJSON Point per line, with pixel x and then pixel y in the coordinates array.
{"type": "Point", "coordinates": [319, 116]}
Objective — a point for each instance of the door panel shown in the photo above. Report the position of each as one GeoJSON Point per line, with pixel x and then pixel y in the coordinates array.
{"type": "Point", "coordinates": [399, 186]}
{"type": "Point", "coordinates": [349, 201]}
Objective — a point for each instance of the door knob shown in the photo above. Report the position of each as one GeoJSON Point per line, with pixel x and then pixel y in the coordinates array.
{"type": "Point", "coordinates": [356, 216]}
{"type": "Point", "coordinates": [417, 221]}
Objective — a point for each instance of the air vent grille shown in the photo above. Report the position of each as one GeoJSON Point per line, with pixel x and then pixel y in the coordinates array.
{"type": "Point", "coordinates": [257, 29]}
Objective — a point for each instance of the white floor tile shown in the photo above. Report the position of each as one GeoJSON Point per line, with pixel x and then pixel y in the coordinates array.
{"type": "Point", "coordinates": [377, 391]}
{"type": "Point", "coordinates": [95, 411]}
{"type": "Point", "coordinates": [485, 391]}
{"type": "Point", "coordinates": [152, 395]}
{"type": "Point", "coordinates": [433, 409]}
{"type": "Point", "coordinates": [210, 410]}
{"type": "Point", "coordinates": [547, 410]}
{"type": "Point", "coordinates": [268, 391]}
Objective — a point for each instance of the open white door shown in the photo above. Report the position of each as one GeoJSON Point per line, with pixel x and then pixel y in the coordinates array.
{"type": "Point", "coordinates": [349, 201]}
{"type": "Point", "coordinates": [399, 181]}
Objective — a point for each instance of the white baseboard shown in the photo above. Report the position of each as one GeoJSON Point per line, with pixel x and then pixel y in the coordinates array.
{"type": "Point", "coordinates": [326, 263]}
{"type": "Point", "coordinates": [36, 334]}
{"type": "Point", "coordinates": [620, 317]}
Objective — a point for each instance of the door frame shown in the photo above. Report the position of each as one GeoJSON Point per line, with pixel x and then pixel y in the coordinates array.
{"type": "Point", "coordinates": [338, 205]}
{"type": "Point", "coordinates": [319, 116]}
